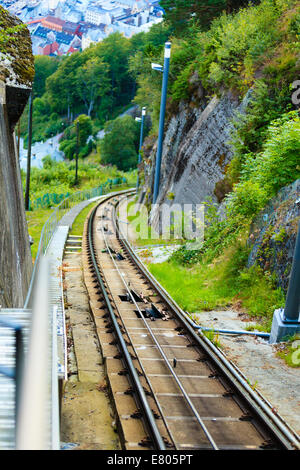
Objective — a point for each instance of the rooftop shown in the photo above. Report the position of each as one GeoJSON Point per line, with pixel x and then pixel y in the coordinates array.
{"type": "Point", "coordinates": [54, 20]}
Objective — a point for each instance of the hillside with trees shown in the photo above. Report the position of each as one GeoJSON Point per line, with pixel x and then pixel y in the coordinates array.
{"type": "Point", "coordinates": [250, 53]}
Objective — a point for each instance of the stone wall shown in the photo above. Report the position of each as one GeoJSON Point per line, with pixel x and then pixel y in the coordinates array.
{"type": "Point", "coordinates": [195, 153]}
{"type": "Point", "coordinates": [273, 234]}
{"type": "Point", "coordinates": [16, 75]}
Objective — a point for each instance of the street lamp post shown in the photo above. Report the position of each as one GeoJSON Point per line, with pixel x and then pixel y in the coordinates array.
{"type": "Point", "coordinates": [165, 70]}
{"type": "Point", "coordinates": [29, 153]}
{"type": "Point", "coordinates": [77, 151]}
{"type": "Point", "coordinates": [141, 142]}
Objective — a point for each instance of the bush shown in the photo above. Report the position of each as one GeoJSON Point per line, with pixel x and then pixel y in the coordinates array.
{"type": "Point", "coordinates": [278, 165]}
{"type": "Point", "coordinates": [246, 200]}
{"type": "Point", "coordinates": [263, 174]}
{"type": "Point", "coordinates": [120, 143]}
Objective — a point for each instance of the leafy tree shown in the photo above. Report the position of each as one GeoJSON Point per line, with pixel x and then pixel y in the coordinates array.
{"type": "Point", "coordinates": [180, 14]}
{"type": "Point", "coordinates": [115, 51]}
{"type": "Point", "coordinates": [61, 86]}
{"type": "Point", "coordinates": [68, 143]}
{"type": "Point", "coordinates": [85, 128]}
{"type": "Point", "coordinates": [44, 67]}
{"type": "Point", "coordinates": [120, 144]}
{"type": "Point", "coordinates": [92, 82]}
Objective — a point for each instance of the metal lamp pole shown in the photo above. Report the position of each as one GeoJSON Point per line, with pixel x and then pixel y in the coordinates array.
{"type": "Point", "coordinates": [292, 304]}
{"type": "Point", "coordinates": [165, 71]}
{"type": "Point", "coordinates": [77, 151]}
{"type": "Point", "coordinates": [141, 143]}
{"type": "Point", "coordinates": [29, 153]}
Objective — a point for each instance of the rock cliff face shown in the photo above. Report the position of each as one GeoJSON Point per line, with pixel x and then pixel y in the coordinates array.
{"type": "Point", "coordinates": [195, 153]}
{"type": "Point", "coordinates": [16, 75]}
{"type": "Point", "coordinates": [273, 234]}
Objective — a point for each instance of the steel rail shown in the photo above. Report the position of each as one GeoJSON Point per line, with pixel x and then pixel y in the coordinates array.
{"type": "Point", "coordinates": [260, 406]}
{"type": "Point", "coordinates": [150, 420]}
{"type": "Point", "coordinates": [145, 374]}
{"type": "Point", "coordinates": [178, 381]}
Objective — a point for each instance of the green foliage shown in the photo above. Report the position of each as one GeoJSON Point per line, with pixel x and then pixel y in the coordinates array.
{"type": "Point", "coordinates": [246, 200]}
{"type": "Point", "coordinates": [7, 35]}
{"type": "Point", "coordinates": [258, 41]}
{"type": "Point", "coordinates": [180, 14]}
{"type": "Point", "coordinates": [44, 67]}
{"type": "Point", "coordinates": [98, 82]}
{"type": "Point", "coordinates": [278, 164]}
{"type": "Point", "coordinates": [58, 177]}
{"type": "Point", "coordinates": [263, 174]}
{"type": "Point", "coordinates": [68, 144]}
{"type": "Point", "coordinates": [224, 283]}
{"type": "Point", "coordinates": [120, 143]}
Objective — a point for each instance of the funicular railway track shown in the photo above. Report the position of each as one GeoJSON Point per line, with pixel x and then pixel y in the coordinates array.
{"type": "Point", "coordinates": [171, 388]}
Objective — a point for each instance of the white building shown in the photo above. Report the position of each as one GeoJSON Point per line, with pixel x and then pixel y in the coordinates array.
{"type": "Point", "coordinates": [96, 15]}
{"type": "Point", "coordinates": [92, 36]}
{"type": "Point", "coordinates": [135, 5]}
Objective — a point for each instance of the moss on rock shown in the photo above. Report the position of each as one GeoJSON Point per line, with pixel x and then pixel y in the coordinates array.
{"type": "Point", "coordinates": [16, 58]}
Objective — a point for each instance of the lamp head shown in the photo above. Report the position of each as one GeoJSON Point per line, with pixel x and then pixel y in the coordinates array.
{"type": "Point", "coordinates": [157, 67]}
{"type": "Point", "coordinates": [167, 50]}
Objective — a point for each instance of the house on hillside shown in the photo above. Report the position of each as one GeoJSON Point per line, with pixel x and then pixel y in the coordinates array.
{"type": "Point", "coordinates": [48, 49]}
{"type": "Point", "coordinates": [51, 22]}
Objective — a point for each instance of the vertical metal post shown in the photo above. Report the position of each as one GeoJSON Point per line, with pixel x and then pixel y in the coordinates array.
{"type": "Point", "coordinates": [77, 151]}
{"type": "Point", "coordinates": [19, 135]}
{"type": "Point", "coordinates": [162, 119]}
{"type": "Point", "coordinates": [141, 144]}
{"type": "Point", "coordinates": [292, 304]}
{"type": "Point", "coordinates": [29, 153]}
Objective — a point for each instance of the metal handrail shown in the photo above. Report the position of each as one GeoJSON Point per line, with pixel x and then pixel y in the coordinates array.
{"type": "Point", "coordinates": [37, 427]}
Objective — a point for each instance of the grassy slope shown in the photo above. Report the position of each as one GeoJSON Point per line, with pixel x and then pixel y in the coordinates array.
{"type": "Point", "coordinates": [224, 283]}
{"type": "Point", "coordinates": [37, 218]}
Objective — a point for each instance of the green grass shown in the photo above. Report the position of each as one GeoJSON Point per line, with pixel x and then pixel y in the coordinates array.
{"type": "Point", "coordinates": [35, 221]}
{"type": "Point", "coordinates": [78, 224]}
{"type": "Point", "coordinates": [290, 352]}
{"type": "Point", "coordinates": [58, 177]}
{"type": "Point", "coordinates": [37, 218]}
{"type": "Point", "coordinates": [225, 283]}
{"type": "Point", "coordinates": [144, 236]}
